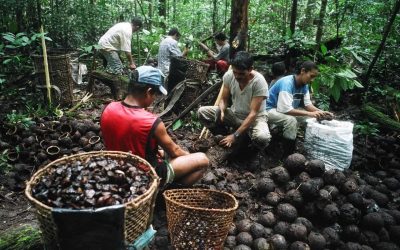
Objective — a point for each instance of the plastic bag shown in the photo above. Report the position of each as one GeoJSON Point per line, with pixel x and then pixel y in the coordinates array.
{"type": "Point", "coordinates": [330, 142]}
{"type": "Point", "coordinates": [77, 70]}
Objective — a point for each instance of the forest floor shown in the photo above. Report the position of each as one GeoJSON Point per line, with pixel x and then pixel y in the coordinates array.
{"type": "Point", "coordinates": [16, 210]}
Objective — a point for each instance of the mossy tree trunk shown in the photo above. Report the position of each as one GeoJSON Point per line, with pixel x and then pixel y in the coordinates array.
{"type": "Point", "coordinates": [239, 26]}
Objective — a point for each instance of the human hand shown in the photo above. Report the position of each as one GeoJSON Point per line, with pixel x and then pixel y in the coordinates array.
{"type": "Point", "coordinates": [132, 66]}
{"type": "Point", "coordinates": [326, 116]}
{"type": "Point", "coordinates": [317, 114]}
{"type": "Point", "coordinates": [227, 141]}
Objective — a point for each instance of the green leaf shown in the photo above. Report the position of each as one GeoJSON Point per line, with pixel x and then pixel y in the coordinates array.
{"type": "Point", "coordinates": [7, 61]}
{"type": "Point", "coordinates": [324, 49]}
{"type": "Point", "coordinates": [25, 39]}
{"type": "Point", "coordinates": [335, 92]}
{"type": "Point", "coordinates": [177, 125]}
{"type": "Point", "coordinates": [20, 34]}
{"type": "Point", "coordinates": [9, 37]}
{"type": "Point", "coordinates": [347, 73]}
{"type": "Point", "coordinates": [315, 86]}
{"type": "Point", "coordinates": [358, 84]}
{"type": "Point", "coordinates": [358, 58]}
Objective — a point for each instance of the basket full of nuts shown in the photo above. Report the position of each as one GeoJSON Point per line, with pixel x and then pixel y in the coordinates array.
{"type": "Point", "coordinates": [95, 200]}
{"type": "Point", "coordinates": [199, 218]}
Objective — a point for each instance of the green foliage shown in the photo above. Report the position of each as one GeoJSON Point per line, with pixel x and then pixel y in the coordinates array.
{"type": "Point", "coordinates": [23, 238]}
{"type": "Point", "coordinates": [322, 100]}
{"type": "Point", "coordinates": [177, 125]}
{"type": "Point", "coordinates": [366, 128]}
{"type": "Point", "coordinates": [335, 76]}
{"type": "Point", "coordinates": [194, 121]}
{"type": "Point", "coordinates": [4, 165]}
{"type": "Point", "coordinates": [88, 51]}
{"type": "Point", "coordinates": [15, 118]}
{"type": "Point", "coordinates": [14, 52]}
{"type": "Point", "coordinates": [298, 41]}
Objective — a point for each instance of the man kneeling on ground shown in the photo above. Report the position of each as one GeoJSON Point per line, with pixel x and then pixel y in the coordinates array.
{"type": "Point", "coordinates": [289, 103]}
{"type": "Point", "coordinates": [248, 90]}
{"type": "Point", "coordinates": [127, 126]}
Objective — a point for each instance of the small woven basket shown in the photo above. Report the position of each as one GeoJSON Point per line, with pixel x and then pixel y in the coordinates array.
{"type": "Point", "coordinates": [199, 218]}
{"type": "Point", "coordinates": [138, 212]}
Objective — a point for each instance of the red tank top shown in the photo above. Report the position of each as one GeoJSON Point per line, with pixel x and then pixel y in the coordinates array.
{"type": "Point", "coordinates": [129, 128]}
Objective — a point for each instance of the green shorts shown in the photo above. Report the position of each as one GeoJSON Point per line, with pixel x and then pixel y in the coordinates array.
{"type": "Point", "coordinates": [165, 172]}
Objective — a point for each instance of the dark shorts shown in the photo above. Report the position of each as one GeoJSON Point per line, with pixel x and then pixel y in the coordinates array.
{"type": "Point", "coordinates": [165, 171]}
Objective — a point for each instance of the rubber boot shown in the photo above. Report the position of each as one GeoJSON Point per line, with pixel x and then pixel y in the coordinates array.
{"type": "Point", "coordinates": [289, 146]}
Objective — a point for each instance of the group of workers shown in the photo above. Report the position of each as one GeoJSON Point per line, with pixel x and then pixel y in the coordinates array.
{"type": "Point", "coordinates": [127, 125]}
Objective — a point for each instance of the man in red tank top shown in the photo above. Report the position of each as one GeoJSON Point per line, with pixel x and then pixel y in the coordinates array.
{"type": "Point", "coordinates": [127, 126]}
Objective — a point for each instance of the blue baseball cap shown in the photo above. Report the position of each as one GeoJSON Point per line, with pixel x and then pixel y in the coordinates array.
{"type": "Point", "coordinates": [152, 76]}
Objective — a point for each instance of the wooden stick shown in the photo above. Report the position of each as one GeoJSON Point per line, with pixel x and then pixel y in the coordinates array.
{"type": "Point", "coordinates": [46, 66]}
{"type": "Point", "coordinates": [205, 130]}
{"type": "Point", "coordinates": [195, 102]}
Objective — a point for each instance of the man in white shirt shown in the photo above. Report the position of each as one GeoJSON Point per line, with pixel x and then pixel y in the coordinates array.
{"type": "Point", "coordinates": [168, 48]}
{"type": "Point", "coordinates": [118, 38]}
{"type": "Point", "coordinates": [248, 91]}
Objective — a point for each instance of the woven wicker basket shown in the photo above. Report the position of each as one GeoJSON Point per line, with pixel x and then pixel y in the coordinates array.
{"type": "Point", "coordinates": [60, 74]}
{"type": "Point", "coordinates": [138, 212]}
{"type": "Point", "coordinates": [182, 68]}
{"type": "Point", "coordinates": [199, 218]}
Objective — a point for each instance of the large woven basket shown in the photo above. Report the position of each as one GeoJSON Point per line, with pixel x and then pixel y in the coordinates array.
{"type": "Point", "coordinates": [199, 218]}
{"type": "Point", "coordinates": [138, 212]}
{"type": "Point", "coordinates": [60, 74]}
{"type": "Point", "coordinates": [182, 68]}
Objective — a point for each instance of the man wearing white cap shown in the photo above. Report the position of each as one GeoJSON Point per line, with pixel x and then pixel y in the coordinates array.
{"type": "Point", "coordinates": [127, 126]}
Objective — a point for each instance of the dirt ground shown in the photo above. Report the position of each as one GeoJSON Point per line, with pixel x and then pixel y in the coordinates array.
{"type": "Point", "coordinates": [15, 209]}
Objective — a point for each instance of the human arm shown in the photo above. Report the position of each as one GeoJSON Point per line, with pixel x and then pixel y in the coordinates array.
{"type": "Point", "coordinates": [223, 103]}
{"type": "Point", "coordinates": [209, 52]}
{"type": "Point", "coordinates": [164, 140]}
{"type": "Point", "coordinates": [175, 51]}
{"type": "Point", "coordinates": [309, 109]}
{"type": "Point", "coordinates": [255, 105]}
{"type": "Point", "coordinates": [132, 64]}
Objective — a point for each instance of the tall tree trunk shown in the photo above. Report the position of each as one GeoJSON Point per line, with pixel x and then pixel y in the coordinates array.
{"type": "Point", "coordinates": [174, 11]}
{"type": "Point", "coordinates": [150, 14]}
{"type": "Point", "coordinates": [214, 17]}
{"type": "Point", "coordinates": [293, 16]}
{"type": "Point", "coordinates": [39, 14]}
{"type": "Point", "coordinates": [386, 31]}
{"type": "Point", "coordinates": [284, 18]}
{"type": "Point", "coordinates": [320, 22]}
{"type": "Point", "coordinates": [239, 26]}
{"type": "Point", "coordinates": [19, 17]}
{"type": "Point", "coordinates": [307, 22]}
{"type": "Point", "coordinates": [162, 11]}
{"type": "Point", "coordinates": [226, 10]}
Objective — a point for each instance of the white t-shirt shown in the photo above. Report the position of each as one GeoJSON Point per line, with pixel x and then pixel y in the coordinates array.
{"type": "Point", "coordinates": [241, 99]}
{"type": "Point", "coordinates": [118, 37]}
{"type": "Point", "coordinates": [168, 48]}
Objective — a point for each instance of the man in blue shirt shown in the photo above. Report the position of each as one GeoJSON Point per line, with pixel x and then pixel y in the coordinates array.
{"type": "Point", "coordinates": [289, 103]}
